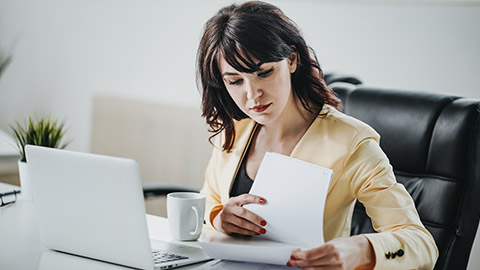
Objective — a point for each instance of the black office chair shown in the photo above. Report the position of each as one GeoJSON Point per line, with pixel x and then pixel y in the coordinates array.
{"type": "Point", "coordinates": [433, 143]}
{"type": "Point", "coordinates": [153, 189]}
{"type": "Point", "coordinates": [333, 77]}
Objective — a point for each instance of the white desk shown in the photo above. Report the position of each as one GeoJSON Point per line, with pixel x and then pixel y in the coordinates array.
{"type": "Point", "coordinates": [21, 249]}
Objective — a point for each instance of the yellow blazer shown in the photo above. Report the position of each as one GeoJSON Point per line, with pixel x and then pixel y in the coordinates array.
{"type": "Point", "coordinates": [361, 171]}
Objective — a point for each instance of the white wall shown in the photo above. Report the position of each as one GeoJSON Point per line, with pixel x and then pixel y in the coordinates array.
{"type": "Point", "coordinates": [66, 51]}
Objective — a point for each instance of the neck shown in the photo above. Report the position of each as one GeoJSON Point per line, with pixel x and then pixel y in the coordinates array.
{"type": "Point", "coordinates": [292, 124]}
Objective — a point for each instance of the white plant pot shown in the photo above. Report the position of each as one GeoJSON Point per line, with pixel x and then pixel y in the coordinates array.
{"type": "Point", "coordinates": [24, 181]}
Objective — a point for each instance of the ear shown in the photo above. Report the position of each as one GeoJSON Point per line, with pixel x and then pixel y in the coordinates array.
{"type": "Point", "coordinates": [293, 60]}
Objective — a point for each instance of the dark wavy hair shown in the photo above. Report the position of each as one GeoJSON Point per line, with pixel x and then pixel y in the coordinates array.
{"type": "Point", "coordinates": [241, 33]}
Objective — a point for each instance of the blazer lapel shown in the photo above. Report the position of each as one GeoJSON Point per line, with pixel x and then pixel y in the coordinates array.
{"type": "Point", "coordinates": [247, 128]}
{"type": "Point", "coordinates": [309, 147]}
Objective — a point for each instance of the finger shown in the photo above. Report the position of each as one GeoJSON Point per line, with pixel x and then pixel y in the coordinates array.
{"type": "Point", "coordinates": [331, 262]}
{"type": "Point", "coordinates": [313, 254]}
{"type": "Point", "coordinates": [245, 224]}
{"type": "Point", "coordinates": [322, 267]}
{"type": "Point", "coordinates": [230, 228]}
{"type": "Point", "coordinates": [248, 198]}
{"type": "Point", "coordinates": [248, 215]}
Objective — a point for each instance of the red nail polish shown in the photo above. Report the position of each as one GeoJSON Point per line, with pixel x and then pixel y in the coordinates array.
{"type": "Point", "coordinates": [289, 264]}
{"type": "Point", "coordinates": [292, 257]}
{"type": "Point", "coordinates": [262, 200]}
{"type": "Point", "coordinates": [263, 231]}
{"type": "Point", "coordinates": [263, 223]}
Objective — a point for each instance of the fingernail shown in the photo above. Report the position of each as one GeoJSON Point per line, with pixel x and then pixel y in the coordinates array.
{"type": "Point", "coordinates": [289, 264]}
{"type": "Point", "coordinates": [292, 257]}
{"type": "Point", "coordinates": [263, 223]}
{"type": "Point", "coordinates": [262, 200]}
{"type": "Point", "coordinates": [263, 231]}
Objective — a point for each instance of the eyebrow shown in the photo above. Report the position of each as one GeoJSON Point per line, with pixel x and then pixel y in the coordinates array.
{"type": "Point", "coordinates": [260, 63]}
{"type": "Point", "coordinates": [229, 73]}
{"type": "Point", "coordinates": [236, 73]}
{"type": "Point", "coordinates": [265, 69]}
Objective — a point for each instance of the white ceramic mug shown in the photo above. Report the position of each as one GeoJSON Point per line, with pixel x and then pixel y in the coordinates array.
{"type": "Point", "coordinates": [185, 212]}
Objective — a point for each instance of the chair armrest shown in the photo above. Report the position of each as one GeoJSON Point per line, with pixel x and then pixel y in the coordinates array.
{"type": "Point", "coordinates": [158, 189]}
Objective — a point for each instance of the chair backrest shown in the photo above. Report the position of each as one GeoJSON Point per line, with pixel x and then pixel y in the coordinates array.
{"type": "Point", "coordinates": [433, 143]}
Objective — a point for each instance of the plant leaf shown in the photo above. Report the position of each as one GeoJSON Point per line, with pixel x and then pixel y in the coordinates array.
{"type": "Point", "coordinates": [4, 64]}
{"type": "Point", "coordinates": [42, 132]}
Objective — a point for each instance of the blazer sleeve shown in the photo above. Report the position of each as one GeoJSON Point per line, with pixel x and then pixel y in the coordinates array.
{"type": "Point", "coordinates": [211, 190]}
{"type": "Point", "coordinates": [402, 242]}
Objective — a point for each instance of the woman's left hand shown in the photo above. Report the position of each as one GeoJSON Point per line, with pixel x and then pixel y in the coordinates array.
{"type": "Point", "coordinates": [340, 253]}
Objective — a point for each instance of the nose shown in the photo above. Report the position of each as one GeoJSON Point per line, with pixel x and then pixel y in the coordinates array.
{"type": "Point", "coordinates": [252, 90]}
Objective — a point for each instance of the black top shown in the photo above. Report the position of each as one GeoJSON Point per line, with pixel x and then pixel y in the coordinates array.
{"type": "Point", "coordinates": [243, 183]}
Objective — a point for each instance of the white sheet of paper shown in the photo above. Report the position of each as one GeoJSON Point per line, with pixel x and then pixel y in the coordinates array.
{"type": "Point", "coordinates": [248, 249]}
{"type": "Point", "coordinates": [249, 253]}
{"type": "Point", "coordinates": [295, 193]}
{"type": "Point", "coordinates": [234, 265]}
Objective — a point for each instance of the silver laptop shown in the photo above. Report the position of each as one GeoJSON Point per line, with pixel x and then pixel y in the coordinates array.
{"type": "Point", "coordinates": [93, 206]}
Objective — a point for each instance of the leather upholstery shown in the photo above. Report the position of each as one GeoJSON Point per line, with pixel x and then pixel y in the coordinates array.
{"type": "Point", "coordinates": [332, 77]}
{"type": "Point", "coordinates": [433, 143]}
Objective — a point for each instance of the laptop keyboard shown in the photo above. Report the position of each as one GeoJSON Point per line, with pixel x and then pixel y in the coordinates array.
{"type": "Point", "coordinates": [161, 257]}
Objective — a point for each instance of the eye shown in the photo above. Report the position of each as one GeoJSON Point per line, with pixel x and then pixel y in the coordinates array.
{"type": "Point", "coordinates": [265, 73]}
{"type": "Point", "coordinates": [234, 82]}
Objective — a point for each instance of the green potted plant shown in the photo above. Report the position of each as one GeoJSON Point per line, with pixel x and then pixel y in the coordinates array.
{"type": "Point", "coordinates": [41, 132]}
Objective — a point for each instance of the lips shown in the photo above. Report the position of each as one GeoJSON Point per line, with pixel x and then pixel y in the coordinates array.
{"type": "Point", "coordinates": [260, 108]}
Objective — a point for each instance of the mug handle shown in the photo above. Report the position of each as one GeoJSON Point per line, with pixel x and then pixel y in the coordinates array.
{"type": "Point", "coordinates": [197, 225]}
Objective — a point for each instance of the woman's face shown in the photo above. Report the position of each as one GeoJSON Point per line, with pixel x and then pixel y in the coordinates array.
{"type": "Point", "coordinates": [264, 95]}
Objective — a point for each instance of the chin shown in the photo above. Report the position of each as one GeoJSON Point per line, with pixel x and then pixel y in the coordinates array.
{"type": "Point", "coordinates": [263, 119]}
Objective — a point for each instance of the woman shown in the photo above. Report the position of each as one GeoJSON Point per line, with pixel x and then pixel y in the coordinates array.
{"type": "Point", "coordinates": [263, 90]}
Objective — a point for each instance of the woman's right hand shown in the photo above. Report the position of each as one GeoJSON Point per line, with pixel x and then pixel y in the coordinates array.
{"type": "Point", "coordinates": [233, 218]}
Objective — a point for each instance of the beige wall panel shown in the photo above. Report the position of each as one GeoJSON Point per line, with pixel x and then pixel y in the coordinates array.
{"type": "Point", "coordinates": [169, 142]}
